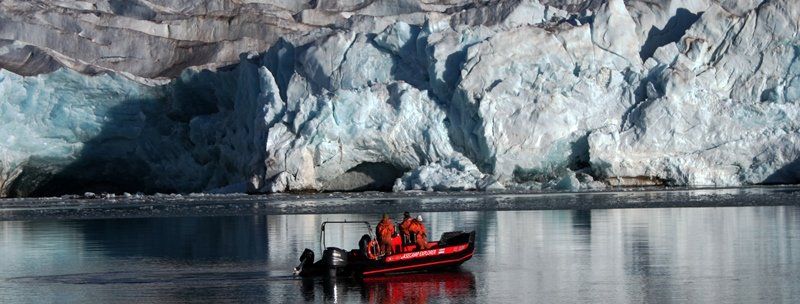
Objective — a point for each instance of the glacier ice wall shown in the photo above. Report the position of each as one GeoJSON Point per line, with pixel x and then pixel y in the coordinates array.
{"type": "Point", "coordinates": [721, 105]}
{"type": "Point", "coordinates": [49, 121]}
{"type": "Point", "coordinates": [65, 132]}
{"type": "Point", "coordinates": [428, 95]}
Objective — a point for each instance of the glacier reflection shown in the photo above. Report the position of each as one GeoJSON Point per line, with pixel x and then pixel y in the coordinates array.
{"type": "Point", "coordinates": [616, 255]}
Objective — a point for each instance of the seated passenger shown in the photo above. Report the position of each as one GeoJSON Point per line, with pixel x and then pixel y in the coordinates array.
{"type": "Point", "coordinates": [384, 233]}
{"type": "Point", "coordinates": [403, 227]}
{"type": "Point", "coordinates": [417, 229]}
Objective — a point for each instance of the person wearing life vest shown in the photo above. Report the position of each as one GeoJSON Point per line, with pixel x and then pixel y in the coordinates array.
{"type": "Point", "coordinates": [403, 227]}
{"type": "Point", "coordinates": [384, 232]}
{"type": "Point", "coordinates": [417, 229]}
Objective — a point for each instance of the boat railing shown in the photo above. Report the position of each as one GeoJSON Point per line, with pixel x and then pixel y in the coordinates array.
{"type": "Point", "coordinates": [345, 222]}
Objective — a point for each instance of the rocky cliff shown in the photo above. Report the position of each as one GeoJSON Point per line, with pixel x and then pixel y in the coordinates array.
{"type": "Point", "coordinates": [278, 95]}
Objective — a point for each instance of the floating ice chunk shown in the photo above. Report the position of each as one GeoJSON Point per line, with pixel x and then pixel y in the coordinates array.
{"type": "Point", "coordinates": [452, 174]}
{"type": "Point", "coordinates": [568, 182]}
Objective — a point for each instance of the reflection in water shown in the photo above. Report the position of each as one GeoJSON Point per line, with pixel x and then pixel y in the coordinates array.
{"type": "Point", "coordinates": [582, 220]}
{"type": "Point", "coordinates": [403, 288]}
{"type": "Point", "coordinates": [195, 239]}
{"type": "Point", "coordinates": [420, 288]}
{"type": "Point", "coordinates": [703, 255]}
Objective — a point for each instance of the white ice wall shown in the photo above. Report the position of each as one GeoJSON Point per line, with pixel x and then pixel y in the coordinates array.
{"type": "Point", "coordinates": [445, 96]}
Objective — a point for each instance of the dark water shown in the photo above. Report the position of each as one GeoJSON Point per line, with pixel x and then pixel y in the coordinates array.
{"type": "Point", "coordinates": [683, 255]}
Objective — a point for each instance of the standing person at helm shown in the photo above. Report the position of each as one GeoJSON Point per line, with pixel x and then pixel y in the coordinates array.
{"type": "Point", "coordinates": [384, 232]}
{"type": "Point", "coordinates": [416, 227]}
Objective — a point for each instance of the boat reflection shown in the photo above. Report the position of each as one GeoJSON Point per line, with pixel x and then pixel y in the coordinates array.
{"type": "Point", "coordinates": [420, 287]}
{"type": "Point", "coordinates": [402, 288]}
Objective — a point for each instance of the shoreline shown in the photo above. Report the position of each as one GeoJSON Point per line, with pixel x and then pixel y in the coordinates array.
{"type": "Point", "coordinates": [175, 205]}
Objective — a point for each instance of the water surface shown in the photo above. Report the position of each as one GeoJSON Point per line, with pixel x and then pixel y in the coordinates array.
{"type": "Point", "coordinates": [682, 255]}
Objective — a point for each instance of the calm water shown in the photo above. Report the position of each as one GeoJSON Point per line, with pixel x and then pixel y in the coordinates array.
{"type": "Point", "coordinates": [684, 255]}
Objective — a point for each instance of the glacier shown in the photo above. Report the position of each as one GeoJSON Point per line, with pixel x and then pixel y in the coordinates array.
{"type": "Point", "coordinates": [268, 96]}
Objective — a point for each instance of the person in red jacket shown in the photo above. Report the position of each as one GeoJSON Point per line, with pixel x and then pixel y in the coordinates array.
{"type": "Point", "coordinates": [415, 230]}
{"type": "Point", "coordinates": [403, 227]}
{"type": "Point", "coordinates": [384, 232]}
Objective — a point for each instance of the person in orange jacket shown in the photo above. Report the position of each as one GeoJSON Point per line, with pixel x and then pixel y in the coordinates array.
{"type": "Point", "coordinates": [415, 229]}
{"type": "Point", "coordinates": [384, 232]}
{"type": "Point", "coordinates": [404, 229]}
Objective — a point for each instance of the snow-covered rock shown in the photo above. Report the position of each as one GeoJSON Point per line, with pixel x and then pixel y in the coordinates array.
{"type": "Point", "coordinates": [276, 95]}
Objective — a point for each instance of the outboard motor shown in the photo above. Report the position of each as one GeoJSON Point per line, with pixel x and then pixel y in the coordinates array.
{"type": "Point", "coordinates": [335, 259]}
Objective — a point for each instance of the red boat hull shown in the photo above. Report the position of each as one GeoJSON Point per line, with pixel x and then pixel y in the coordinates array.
{"type": "Point", "coordinates": [453, 253]}
{"type": "Point", "coordinates": [453, 249]}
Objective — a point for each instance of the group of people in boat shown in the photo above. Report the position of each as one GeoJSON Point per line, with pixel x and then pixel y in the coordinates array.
{"type": "Point", "coordinates": [411, 231]}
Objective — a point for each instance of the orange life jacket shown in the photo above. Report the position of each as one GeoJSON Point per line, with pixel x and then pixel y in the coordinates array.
{"type": "Point", "coordinates": [385, 230]}
{"type": "Point", "coordinates": [404, 226]}
{"type": "Point", "coordinates": [416, 227]}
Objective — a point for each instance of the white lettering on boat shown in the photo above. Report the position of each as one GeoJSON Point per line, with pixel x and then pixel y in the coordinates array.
{"type": "Point", "coordinates": [426, 253]}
